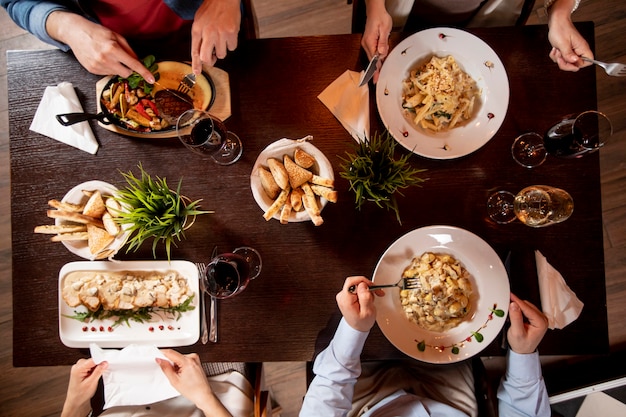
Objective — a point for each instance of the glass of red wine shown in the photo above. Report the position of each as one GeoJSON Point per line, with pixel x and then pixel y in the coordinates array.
{"type": "Point", "coordinates": [207, 135]}
{"type": "Point", "coordinates": [229, 273]}
{"type": "Point", "coordinates": [572, 137]}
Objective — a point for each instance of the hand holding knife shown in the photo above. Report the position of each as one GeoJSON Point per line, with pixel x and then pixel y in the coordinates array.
{"type": "Point", "coordinates": [370, 70]}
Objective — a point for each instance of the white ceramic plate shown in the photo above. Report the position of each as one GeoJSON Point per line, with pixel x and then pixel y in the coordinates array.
{"type": "Point", "coordinates": [80, 247]}
{"type": "Point", "coordinates": [277, 150]}
{"type": "Point", "coordinates": [477, 59]}
{"type": "Point", "coordinates": [490, 292]}
{"type": "Point", "coordinates": [160, 331]}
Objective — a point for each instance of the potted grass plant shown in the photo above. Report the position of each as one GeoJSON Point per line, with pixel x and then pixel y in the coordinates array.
{"type": "Point", "coordinates": [375, 174]}
{"type": "Point", "coordinates": [152, 210]}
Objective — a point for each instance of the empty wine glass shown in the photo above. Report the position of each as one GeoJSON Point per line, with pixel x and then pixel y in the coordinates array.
{"type": "Point", "coordinates": [229, 273]}
{"type": "Point", "coordinates": [535, 206]}
{"type": "Point", "coordinates": [205, 134]}
{"type": "Point", "coordinates": [572, 137]}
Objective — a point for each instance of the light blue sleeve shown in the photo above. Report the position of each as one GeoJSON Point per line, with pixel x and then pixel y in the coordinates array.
{"type": "Point", "coordinates": [31, 15]}
{"type": "Point", "coordinates": [522, 391]}
{"type": "Point", "coordinates": [336, 370]}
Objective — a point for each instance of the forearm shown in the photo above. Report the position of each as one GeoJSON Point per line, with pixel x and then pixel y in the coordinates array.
{"type": "Point", "coordinates": [73, 409]}
{"type": "Point", "coordinates": [522, 391]}
{"type": "Point", "coordinates": [212, 406]}
{"type": "Point", "coordinates": [558, 10]}
{"type": "Point", "coordinates": [375, 7]}
{"type": "Point", "coordinates": [33, 15]}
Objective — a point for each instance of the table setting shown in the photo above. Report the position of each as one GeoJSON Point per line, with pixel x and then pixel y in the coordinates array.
{"type": "Point", "coordinates": [285, 309]}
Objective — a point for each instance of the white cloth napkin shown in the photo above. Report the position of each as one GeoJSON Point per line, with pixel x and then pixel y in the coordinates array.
{"type": "Point", "coordinates": [133, 377]}
{"type": "Point", "coordinates": [349, 103]}
{"type": "Point", "coordinates": [558, 301]}
{"type": "Point", "coordinates": [58, 100]}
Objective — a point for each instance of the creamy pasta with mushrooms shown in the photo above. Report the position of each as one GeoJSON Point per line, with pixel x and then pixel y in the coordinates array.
{"type": "Point", "coordinates": [443, 299]}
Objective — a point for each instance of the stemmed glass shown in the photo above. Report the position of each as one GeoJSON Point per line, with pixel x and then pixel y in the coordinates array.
{"type": "Point", "coordinates": [572, 137]}
{"type": "Point", "coordinates": [229, 273]}
{"type": "Point", "coordinates": [205, 134]}
{"type": "Point", "coordinates": [535, 206]}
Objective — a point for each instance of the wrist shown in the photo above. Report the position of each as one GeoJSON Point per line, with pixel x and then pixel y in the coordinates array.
{"type": "Point", "coordinates": [76, 410]}
{"type": "Point", "coordinates": [566, 5]}
{"type": "Point", "coordinates": [62, 25]}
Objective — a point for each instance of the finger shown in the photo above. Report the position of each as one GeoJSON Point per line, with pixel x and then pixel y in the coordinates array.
{"type": "Point", "coordinates": [196, 61]}
{"type": "Point", "coordinates": [97, 372]}
{"type": "Point", "coordinates": [535, 317]}
{"type": "Point", "coordinates": [173, 355]}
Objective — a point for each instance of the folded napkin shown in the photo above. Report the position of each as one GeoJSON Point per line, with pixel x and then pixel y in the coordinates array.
{"type": "Point", "coordinates": [349, 103]}
{"type": "Point", "coordinates": [558, 301]}
{"type": "Point", "coordinates": [58, 100]}
{"type": "Point", "coordinates": [133, 377]}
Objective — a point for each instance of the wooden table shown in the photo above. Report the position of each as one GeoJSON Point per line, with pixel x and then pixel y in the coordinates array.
{"type": "Point", "coordinates": [290, 313]}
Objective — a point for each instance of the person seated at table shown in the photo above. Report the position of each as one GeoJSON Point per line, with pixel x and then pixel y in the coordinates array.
{"type": "Point", "coordinates": [185, 373]}
{"type": "Point", "coordinates": [343, 386]}
{"type": "Point", "coordinates": [568, 45]}
{"type": "Point", "coordinates": [101, 33]}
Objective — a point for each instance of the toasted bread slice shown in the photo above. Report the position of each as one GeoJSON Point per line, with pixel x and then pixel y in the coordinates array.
{"type": "Point", "coordinates": [74, 217]}
{"type": "Point", "coordinates": [296, 199]}
{"type": "Point", "coordinates": [277, 204]}
{"type": "Point", "coordinates": [95, 206]}
{"type": "Point", "coordinates": [326, 182]}
{"type": "Point", "coordinates": [99, 238]}
{"type": "Point", "coordinates": [309, 200]}
{"type": "Point", "coordinates": [297, 174]}
{"type": "Point", "coordinates": [62, 228]}
{"type": "Point", "coordinates": [325, 192]}
{"type": "Point", "coordinates": [70, 236]}
{"type": "Point", "coordinates": [110, 225]}
{"type": "Point", "coordinates": [66, 206]}
{"type": "Point", "coordinates": [112, 206]}
{"type": "Point", "coordinates": [303, 159]}
{"type": "Point", "coordinates": [269, 183]}
{"type": "Point", "coordinates": [285, 212]}
{"type": "Point", "coordinates": [279, 172]}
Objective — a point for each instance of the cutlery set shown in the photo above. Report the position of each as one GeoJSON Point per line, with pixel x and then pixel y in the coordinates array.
{"type": "Point", "coordinates": [208, 332]}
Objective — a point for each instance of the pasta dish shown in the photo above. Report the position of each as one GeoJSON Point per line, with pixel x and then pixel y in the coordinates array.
{"type": "Point", "coordinates": [439, 94]}
{"type": "Point", "coordinates": [442, 301]}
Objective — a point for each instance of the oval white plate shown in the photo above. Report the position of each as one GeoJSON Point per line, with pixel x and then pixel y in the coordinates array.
{"type": "Point", "coordinates": [477, 59]}
{"type": "Point", "coordinates": [182, 332]}
{"type": "Point", "coordinates": [490, 292]}
{"type": "Point", "coordinates": [277, 150]}
{"type": "Point", "coordinates": [80, 247]}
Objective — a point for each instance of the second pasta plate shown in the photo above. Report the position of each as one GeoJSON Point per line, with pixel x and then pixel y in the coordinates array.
{"type": "Point", "coordinates": [474, 57]}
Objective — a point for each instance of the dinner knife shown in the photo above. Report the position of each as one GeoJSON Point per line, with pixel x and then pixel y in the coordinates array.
{"type": "Point", "coordinates": [369, 71]}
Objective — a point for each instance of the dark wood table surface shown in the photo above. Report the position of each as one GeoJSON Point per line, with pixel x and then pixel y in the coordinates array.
{"type": "Point", "coordinates": [289, 313]}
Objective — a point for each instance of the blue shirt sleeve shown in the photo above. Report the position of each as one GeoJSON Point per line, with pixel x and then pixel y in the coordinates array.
{"type": "Point", "coordinates": [522, 391]}
{"type": "Point", "coordinates": [336, 370]}
{"type": "Point", "coordinates": [31, 15]}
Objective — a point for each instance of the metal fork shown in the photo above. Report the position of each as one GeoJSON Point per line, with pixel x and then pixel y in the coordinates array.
{"type": "Point", "coordinates": [404, 283]}
{"type": "Point", "coordinates": [203, 326]}
{"type": "Point", "coordinates": [187, 83]}
{"type": "Point", "coordinates": [615, 69]}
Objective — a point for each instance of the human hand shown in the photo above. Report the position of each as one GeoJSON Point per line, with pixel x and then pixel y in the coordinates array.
{"type": "Point", "coordinates": [568, 45]}
{"type": "Point", "coordinates": [524, 335]}
{"type": "Point", "coordinates": [98, 49]}
{"type": "Point", "coordinates": [186, 375]}
{"type": "Point", "coordinates": [84, 377]}
{"type": "Point", "coordinates": [358, 308]}
{"type": "Point", "coordinates": [214, 31]}
{"type": "Point", "coordinates": [376, 34]}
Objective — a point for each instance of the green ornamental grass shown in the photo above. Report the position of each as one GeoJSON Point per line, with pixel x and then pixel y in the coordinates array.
{"type": "Point", "coordinates": [151, 209]}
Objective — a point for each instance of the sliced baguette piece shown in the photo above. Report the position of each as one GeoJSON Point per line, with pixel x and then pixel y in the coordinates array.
{"type": "Point", "coordinates": [295, 199]}
{"type": "Point", "coordinates": [112, 206]}
{"type": "Point", "coordinates": [285, 212]}
{"type": "Point", "coordinates": [269, 183]}
{"type": "Point", "coordinates": [98, 239]}
{"type": "Point", "coordinates": [277, 204]}
{"type": "Point", "coordinates": [279, 172]}
{"type": "Point", "coordinates": [74, 217]}
{"type": "Point", "coordinates": [303, 159]}
{"type": "Point", "coordinates": [70, 236]}
{"type": "Point", "coordinates": [325, 192]}
{"type": "Point", "coordinates": [62, 228]}
{"type": "Point", "coordinates": [66, 206]}
{"type": "Point", "coordinates": [95, 205]}
{"type": "Point", "coordinates": [110, 225]}
{"type": "Point", "coordinates": [309, 200]}
{"type": "Point", "coordinates": [297, 174]}
{"type": "Point", "coordinates": [326, 182]}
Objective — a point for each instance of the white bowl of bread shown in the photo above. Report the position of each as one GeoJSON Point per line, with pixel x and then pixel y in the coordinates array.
{"type": "Point", "coordinates": [292, 181]}
{"type": "Point", "coordinates": [83, 221]}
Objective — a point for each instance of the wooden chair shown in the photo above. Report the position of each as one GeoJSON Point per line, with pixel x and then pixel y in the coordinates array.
{"type": "Point", "coordinates": [359, 14]}
{"type": "Point", "coordinates": [252, 371]}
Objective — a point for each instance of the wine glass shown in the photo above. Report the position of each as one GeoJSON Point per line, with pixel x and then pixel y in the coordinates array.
{"type": "Point", "coordinates": [535, 206]}
{"type": "Point", "coordinates": [572, 137]}
{"type": "Point", "coordinates": [208, 136]}
{"type": "Point", "coordinates": [229, 273]}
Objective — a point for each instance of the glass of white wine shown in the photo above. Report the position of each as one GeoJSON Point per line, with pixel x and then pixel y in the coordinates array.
{"type": "Point", "coordinates": [535, 206]}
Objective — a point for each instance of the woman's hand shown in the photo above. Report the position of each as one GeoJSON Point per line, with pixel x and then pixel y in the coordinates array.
{"type": "Point", "coordinates": [84, 377]}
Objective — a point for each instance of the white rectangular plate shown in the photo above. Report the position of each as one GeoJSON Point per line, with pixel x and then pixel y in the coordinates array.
{"type": "Point", "coordinates": [160, 332]}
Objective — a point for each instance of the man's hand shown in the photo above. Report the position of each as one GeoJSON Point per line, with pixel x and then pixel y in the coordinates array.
{"type": "Point", "coordinates": [568, 45]}
{"type": "Point", "coordinates": [524, 335]}
{"type": "Point", "coordinates": [98, 49]}
{"type": "Point", "coordinates": [358, 308]}
{"type": "Point", "coordinates": [84, 377]}
{"type": "Point", "coordinates": [214, 32]}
